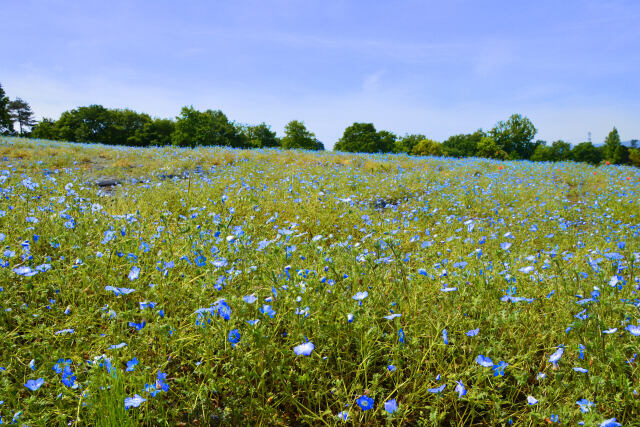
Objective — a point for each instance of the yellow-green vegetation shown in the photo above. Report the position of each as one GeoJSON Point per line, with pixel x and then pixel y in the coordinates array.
{"type": "Point", "coordinates": [206, 286]}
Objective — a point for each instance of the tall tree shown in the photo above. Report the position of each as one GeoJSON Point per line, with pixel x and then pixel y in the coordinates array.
{"type": "Point", "coordinates": [612, 151]}
{"type": "Point", "coordinates": [20, 112]}
{"type": "Point", "coordinates": [515, 136]}
{"type": "Point", "coordinates": [407, 142]}
{"type": "Point", "coordinates": [297, 136]}
{"type": "Point", "coordinates": [6, 124]}
{"type": "Point", "coordinates": [427, 147]}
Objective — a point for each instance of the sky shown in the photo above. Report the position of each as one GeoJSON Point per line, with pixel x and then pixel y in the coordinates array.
{"type": "Point", "coordinates": [431, 67]}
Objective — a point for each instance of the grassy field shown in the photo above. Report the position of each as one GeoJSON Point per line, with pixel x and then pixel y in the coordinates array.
{"type": "Point", "coordinates": [216, 286]}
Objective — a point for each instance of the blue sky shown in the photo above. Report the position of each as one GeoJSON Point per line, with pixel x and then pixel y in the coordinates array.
{"type": "Point", "coordinates": [437, 68]}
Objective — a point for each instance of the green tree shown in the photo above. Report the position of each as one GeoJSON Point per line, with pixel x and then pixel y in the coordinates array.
{"type": "Point", "coordinates": [20, 111]}
{"type": "Point", "coordinates": [515, 136]}
{"type": "Point", "coordinates": [296, 135]}
{"type": "Point", "coordinates": [427, 147]}
{"type": "Point", "coordinates": [45, 129]}
{"type": "Point", "coordinates": [560, 150]}
{"type": "Point", "coordinates": [542, 153]}
{"type": "Point", "coordinates": [462, 145]}
{"type": "Point", "coordinates": [319, 145]}
{"type": "Point", "coordinates": [195, 128]}
{"type": "Point", "coordinates": [611, 145]}
{"type": "Point", "coordinates": [487, 147]}
{"type": "Point", "coordinates": [407, 142]}
{"type": "Point", "coordinates": [6, 124]}
{"type": "Point", "coordinates": [85, 124]}
{"type": "Point", "coordinates": [261, 136]}
{"type": "Point", "coordinates": [156, 132]}
{"type": "Point", "coordinates": [586, 152]}
{"type": "Point", "coordinates": [634, 157]}
{"type": "Point", "coordinates": [363, 138]}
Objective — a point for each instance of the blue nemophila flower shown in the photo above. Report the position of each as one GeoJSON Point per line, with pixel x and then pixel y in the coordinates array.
{"type": "Point", "coordinates": [134, 273]}
{"type": "Point", "coordinates": [117, 346]}
{"type": "Point", "coordinates": [365, 402]}
{"type": "Point", "coordinates": [473, 332]}
{"type": "Point", "coordinates": [234, 337]}
{"type": "Point", "coordinates": [343, 415]}
{"type": "Point", "coordinates": [531, 400]}
{"type": "Point", "coordinates": [484, 361]}
{"type": "Point", "coordinates": [138, 326]}
{"type": "Point", "coordinates": [581, 349]}
{"type": "Point", "coordinates": [445, 336]}
{"type": "Point", "coordinates": [147, 304]}
{"type": "Point", "coordinates": [253, 321]}
{"type": "Point", "coordinates": [119, 291]}
{"type": "Point", "coordinates": [33, 385]}
{"type": "Point", "coordinates": [350, 317]}
{"type": "Point", "coordinates": [555, 357]}
{"type": "Point", "coordinates": [540, 376]}
{"type": "Point", "coordinates": [390, 406]}
{"type": "Point", "coordinates": [526, 270]}
{"type": "Point", "coordinates": [437, 389]}
{"type": "Point", "coordinates": [68, 378]}
{"type": "Point", "coordinates": [133, 402]}
{"type": "Point", "coordinates": [505, 246]}
{"type": "Point", "coordinates": [304, 349]}
{"type": "Point", "coordinates": [250, 299]}
{"type": "Point", "coordinates": [460, 389]}
{"type": "Point", "coordinates": [498, 369]}
{"type": "Point", "coordinates": [611, 422]}
{"type": "Point", "coordinates": [360, 296]}
{"type": "Point", "coordinates": [581, 370]}
{"type": "Point", "coordinates": [131, 364]}
{"type": "Point", "coordinates": [266, 309]}
{"type": "Point", "coordinates": [633, 330]}
{"type": "Point", "coordinates": [401, 336]}
{"type": "Point", "coordinates": [59, 367]}
{"type": "Point", "coordinates": [158, 386]}
{"type": "Point", "coordinates": [391, 368]}
{"type": "Point", "coordinates": [25, 271]}
{"type": "Point", "coordinates": [392, 316]}
{"type": "Point", "coordinates": [584, 405]}
{"type": "Point", "coordinates": [448, 289]}
{"type": "Point", "coordinates": [610, 331]}
{"type": "Point", "coordinates": [32, 364]}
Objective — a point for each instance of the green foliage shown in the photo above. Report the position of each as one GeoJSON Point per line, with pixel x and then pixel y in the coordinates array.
{"type": "Point", "coordinates": [6, 122]}
{"type": "Point", "coordinates": [195, 128]}
{"type": "Point", "coordinates": [463, 145]}
{"type": "Point", "coordinates": [634, 157]}
{"type": "Point", "coordinates": [407, 142]}
{"type": "Point", "coordinates": [20, 112]}
{"type": "Point", "coordinates": [489, 148]}
{"type": "Point", "coordinates": [45, 129]}
{"type": "Point", "coordinates": [363, 138]}
{"type": "Point", "coordinates": [156, 132]}
{"type": "Point", "coordinates": [612, 147]}
{"type": "Point", "coordinates": [559, 151]}
{"type": "Point", "coordinates": [261, 136]}
{"type": "Point", "coordinates": [427, 147]}
{"type": "Point", "coordinates": [296, 135]}
{"type": "Point", "coordinates": [515, 136]}
{"type": "Point", "coordinates": [586, 152]}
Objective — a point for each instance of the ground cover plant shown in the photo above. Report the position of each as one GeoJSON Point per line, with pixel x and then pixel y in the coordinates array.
{"type": "Point", "coordinates": [218, 286]}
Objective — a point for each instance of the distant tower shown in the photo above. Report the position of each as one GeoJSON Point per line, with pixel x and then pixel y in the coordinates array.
{"type": "Point", "coordinates": [589, 136]}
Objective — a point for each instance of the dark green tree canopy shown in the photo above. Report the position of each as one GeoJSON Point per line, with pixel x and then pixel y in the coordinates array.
{"type": "Point", "coordinates": [363, 138]}
{"type": "Point", "coordinates": [586, 152]}
{"type": "Point", "coordinates": [515, 136]}
{"type": "Point", "coordinates": [261, 136]}
{"type": "Point", "coordinates": [6, 123]}
{"type": "Point", "coordinates": [296, 135]}
{"type": "Point", "coordinates": [407, 142]}
{"type": "Point", "coordinates": [463, 145]}
{"type": "Point", "coordinates": [45, 129]}
{"type": "Point", "coordinates": [197, 128]}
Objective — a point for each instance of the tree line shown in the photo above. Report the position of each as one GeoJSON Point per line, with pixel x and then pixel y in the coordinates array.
{"type": "Point", "coordinates": [512, 139]}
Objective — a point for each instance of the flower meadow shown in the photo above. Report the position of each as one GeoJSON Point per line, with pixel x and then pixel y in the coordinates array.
{"type": "Point", "coordinates": [217, 286]}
